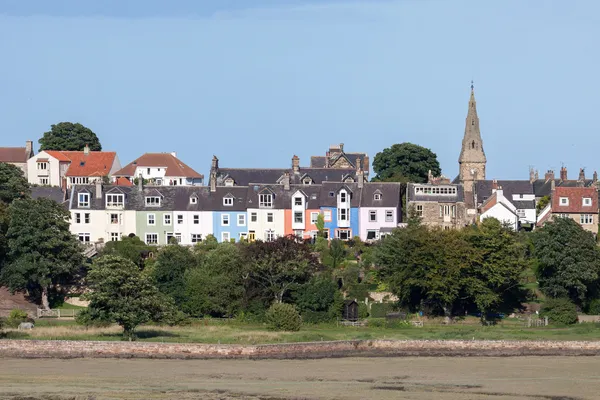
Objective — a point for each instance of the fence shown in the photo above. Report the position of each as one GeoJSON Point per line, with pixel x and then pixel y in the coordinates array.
{"type": "Point", "coordinates": [57, 313]}
{"type": "Point", "coordinates": [537, 322]}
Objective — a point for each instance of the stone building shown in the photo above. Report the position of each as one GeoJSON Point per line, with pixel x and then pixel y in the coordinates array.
{"type": "Point", "coordinates": [438, 204]}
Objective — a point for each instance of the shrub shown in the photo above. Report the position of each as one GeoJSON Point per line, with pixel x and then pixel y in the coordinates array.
{"type": "Point", "coordinates": [283, 317]}
{"type": "Point", "coordinates": [594, 307]}
{"type": "Point", "coordinates": [316, 317]}
{"type": "Point", "coordinates": [379, 310]}
{"type": "Point", "coordinates": [363, 311]}
{"type": "Point", "coordinates": [85, 318]}
{"type": "Point", "coordinates": [15, 317]}
{"type": "Point", "coordinates": [376, 322]}
{"type": "Point", "coordinates": [561, 311]}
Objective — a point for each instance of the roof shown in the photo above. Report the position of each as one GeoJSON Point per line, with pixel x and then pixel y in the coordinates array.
{"type": "Point", "coordinates": [484, 189]}
{"type": "Point", "coordinates": [459, 197]}
{"type": "Point", "coordinates": [247, 176]}
{"type": "Point", "coordinates": [123, 181]}
{"type": "Point", "coordinates": [321, 161]}
{"type": "Point", "coordinates": [174, 166]}
{"type": "Point", "coordinates": [390, 194]}
{"type": "Point", "coordinates": [50, 192]}
{"type": "Point", "coordinates": [329, 191]}
{"type": "Point", "coordinates": [575, 196]}
{"type": "Point", "coordinates": [13, 154]}
{"type": "Point", "coordinates": [94, 163]}
{"type": "Point", "coordinates": [543, 187]}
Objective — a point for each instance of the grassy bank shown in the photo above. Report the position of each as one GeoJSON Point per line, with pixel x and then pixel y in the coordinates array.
{"type": "Point", "coordinates": [211, 331]}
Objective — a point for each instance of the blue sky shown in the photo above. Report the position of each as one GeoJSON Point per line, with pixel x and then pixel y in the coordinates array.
{"type": "Point", "coordinates": [257, 81]}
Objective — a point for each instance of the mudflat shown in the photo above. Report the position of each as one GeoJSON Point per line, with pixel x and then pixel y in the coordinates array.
{"type": "Point", "coordinates": [428, 378]}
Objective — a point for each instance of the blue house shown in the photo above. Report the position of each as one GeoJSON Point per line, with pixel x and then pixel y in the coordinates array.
{"type": "Point", "coordinates": [339, 206]}
{"type": "Point", "coordinates": [230, 219]}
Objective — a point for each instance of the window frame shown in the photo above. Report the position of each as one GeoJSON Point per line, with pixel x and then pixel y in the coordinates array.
{"type": "Point", "coordinates": [241, 220]}
{"type": "Point", "coordinates": [84, 203]}
{"type": "Point", "coordinates": [270, 217]}
{"type": "Point", "coordinates": [152, 201]}
{"type": "Point", "coordinates": [84, 236]}
{"type": "Point", "coordinates": [196, 219]}
{"type": "Point", "coordinates": [586, 202]}
{"type": "Point", "coordinates": [223, 240]}
{"type": "Point", "coordinates": [225, 220]}
{"type": "Point", "coordinates": [195, 238]}
{"type": "Point", "coordinates": [563, 201]}
{"type": "Point", "coordinates": [114, 236]}
{"type": "Point", "coordinates": [228, 201]}
{"type": "Point", "coordinates": [114, 203]}
{"type": "Point", "coordinates": [314, 217]}
{"type": "Point", "coordinates": [151, 234]}
{"type": "Point", "coordinates": [372, 215]}
{"type": "Point", "coordinates": [165, 217]}
{"type": "Point", "coordinates": [87, 218]}
{"type": "Point", "coordinates": [179, 219]}
{"type": "Point", "coordinates": [153, 223]}
{"type": "Point", "coordinates": [296, 214]}
{"type": "Point", "coordinates": [253, 217]}
{"type": "Point", "coordinates": [265, 200]}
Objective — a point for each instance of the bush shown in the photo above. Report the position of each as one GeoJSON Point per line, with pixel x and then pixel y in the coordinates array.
{"type": "Point", "coordinates": [379, 310]}
{"type": "Point", "coordinates": [363, 310]}
{"type": "Point", "coordinates": [15, 317]}
{"type": "Point", "coordinates": [85, 318]}
{"type": "Point", "coordinates": [376, 322]}
{"type": "Point", "coordinates": [561, 311]}
{"type": "Point", "coordinates": [316, 317]}
{"type": "Point", "coordinates": [594, 307]}
{"type": "Point", "coordinates": [283, 317]}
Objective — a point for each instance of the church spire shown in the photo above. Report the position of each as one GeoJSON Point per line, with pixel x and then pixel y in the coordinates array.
{"type": "Point", "coordinates": [472, 156]}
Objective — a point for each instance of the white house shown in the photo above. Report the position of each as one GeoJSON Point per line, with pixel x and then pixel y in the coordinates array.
{"type": "Point", "coordinates": [161, 169]}
{"type": "Point", "coordinates": [499, 207]}
{"type": "Point", "coordinates": [266, 212]}
{"type": "Point", "coordinates": [379, 210]}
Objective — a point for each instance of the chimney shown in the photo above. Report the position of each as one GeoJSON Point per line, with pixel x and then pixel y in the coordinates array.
{"type": "Point", "coordinates": [494, 186]}
{"type": "Point", "coordinates": [28, 149]}
{"type": "Point", "coordinates": [215, 163]}
{"type": "Point", "coordinates": [141, 182]}
{"type": "Point", "coordinates": [296, 164]}
{"type": "Point", "coordinates": [213, 180]}
{"type": "Point", "coordinates": [537, 175]}
{"type": "Point", "coordinates": [552, 185]}
{"type": "Point", "coordinates": [581, 174]}
{"type": "Point", "coordinates": [429, 177]}
{"type": "Point", "coordinates": [499, 192]}
{"type": "Point", "coordinates": [86, 150]}
{"type": "Point", "coordinates": [531, 175]}
{"type": "Point", "coordinates": [563, 174]}
{"type": "Point", "coordinates": [286, 181]}
{"type": "Point", "coordinates": [549, 175]}
{"type": "Point", "coordinates": [174, 154]}
{"type": "Point", "coordinates": [595, 177]}
{"type": "Point", "coordinates": [341, 147]}
{"type": "Point", "coordinates": [99, 188]}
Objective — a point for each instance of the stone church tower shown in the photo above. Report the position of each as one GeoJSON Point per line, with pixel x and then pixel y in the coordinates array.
{"type": "Point", "coordinates": [472, 157]}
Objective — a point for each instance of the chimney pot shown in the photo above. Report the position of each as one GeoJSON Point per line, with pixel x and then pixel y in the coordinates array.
{"type": "Point", "coordinates": [296, 164]}
{"type": "Point", "coordinates": [141, 182]}
{"type": "Point", "coordinates": [549, 175]}
{"type": "Point", "coordinates": [86, 150]}
{"type": "Point", "coordinates": [29, 149]}
{"type": "Point", "coordinates": [581, 174]}
{"type": "Point", "coordinates": [174, 154]}
{"type": "Point", "coordinates": [99, 188]}
{"type": "Point", "coordinates": [563, 174]}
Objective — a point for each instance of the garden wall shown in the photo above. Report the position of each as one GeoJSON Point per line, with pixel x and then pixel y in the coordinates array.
{"type": "Point", "coordinates": [368, 348]}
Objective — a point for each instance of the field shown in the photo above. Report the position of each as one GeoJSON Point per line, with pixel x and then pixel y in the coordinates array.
{"type": "Point", "coordinates": [519, 378]}
{"type": "Point", "coordinates": [217, 331]}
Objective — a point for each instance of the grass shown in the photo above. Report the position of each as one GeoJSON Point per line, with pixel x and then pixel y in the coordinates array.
{"type": "Point", "coordinates": [247, 333]}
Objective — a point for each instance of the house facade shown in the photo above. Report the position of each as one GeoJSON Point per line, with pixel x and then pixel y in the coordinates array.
{"type": "Point", "coordinates": [302, 212]}
{"type": "Point", "coordinates": [340, 204]}
{"type": "Point", "coordinates": [160, 169]}
{"type": "Point", "coordinates": [578, 203]}
{"type": "Point", "coordinates": [501, 199]}
{"type": "Point", "coordinates": [17, 156]}
{"type": "Point", "coordinates": [380, 209]}
{"type": "Point", "coordinates": [438, 205]}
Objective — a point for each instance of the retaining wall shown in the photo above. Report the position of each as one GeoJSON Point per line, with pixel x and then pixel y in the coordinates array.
{"type": "Point", "coordinates": [358, 348]}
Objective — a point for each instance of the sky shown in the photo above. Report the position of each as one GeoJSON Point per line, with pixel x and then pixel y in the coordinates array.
{"type": "Point", "coordinates": [258, 81]}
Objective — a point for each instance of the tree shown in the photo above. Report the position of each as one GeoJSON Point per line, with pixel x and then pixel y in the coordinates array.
{"type": "Point", "coordinates": [216, 287]}
{"type": "Point", "coordinates": [279, 265]}
{"type": "Point", "coordinates": [68, 136]}
{"type": "Point", "coordinates": [171, 264]}
{"type": "Point", "coordinates": [121, 293]}
{"type": "Point", "coordinates": [568, 259]}
{"type": "Point", "coordinates": [129, 247]}
{"type": "Point", "coordinates": [542, 204]}
{"type": "Point", "coordinates": [13, 183]}
{"type": "Point", "coordinates": [42, 250]}
{"type": "Point", "coordinates": [337, 252]}
{"type": "Point", "coordinates": [320, 225]}
{"type": "Point", "coordinates": [405, 162]}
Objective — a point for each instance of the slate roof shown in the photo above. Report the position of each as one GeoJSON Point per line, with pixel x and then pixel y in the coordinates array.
{"type": "Point", "coordinates": [95, 163]}
{"type": "Point", "coordinates": [390, 194]}
{"type": "Point", "coordinates": [50, 192]}
{"type": "Point", "coordinates": [321, 161]}
{"type": "Point", "coordinates": [329, 191]}
{"type": "Point", "coordinates": [247, 176]}
{"type": "Point", "coordinates": [542, 187]}
{"type": "Point", "coordinates": [13, 154]}
{"type": "Point", "coordinates": [483, 189]}
{"type": "Point", "coordinates": [459, 197]}
{"type": "Point", "coordinates": [174, 166]}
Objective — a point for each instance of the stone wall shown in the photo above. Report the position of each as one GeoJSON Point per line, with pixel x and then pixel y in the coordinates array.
{"type": "Point", "coordinates": [370, 348]}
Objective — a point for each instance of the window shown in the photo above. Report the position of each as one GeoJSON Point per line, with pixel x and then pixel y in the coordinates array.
{"type": "Point", "coordinates": [86, 218]}
{"type": "Point", "coordinates": [325, 233]}
{"type": "Point", "coordinates": [344, 234]}
{"type": "Point", "coordinates": [229, 182]}
{"type": "Point", "coordinates": [586, 219]}
{"type": "Point", "coordinates": [389, 215]}
{"type": "Point", "coordinates": [562, 215]}
{"type": "Point", "coordinates": [241, 220]}
{"type": "Point", "coordinates": [448, 210]}
{"type": "Point", "coordinates": [564, 201]}
{"type": "Point", "coordinates": [298, 233]}
{"type": "Point", "coordinates": [298, 217]}
{"type": "Point", "coordinates": [521, 213]}
{"type": "Point", "coordinates": [151, 238]}
{"type": "Point", "coordinates": [159, 182]}
{"type": "Point", "coordinates": [179, 219]}
{"type": "Point", "coordinates": [419, 209]}
{"type": "Point", "coordinates": [331, 194]}
{"type": "Point", "coordinates": [228, 201]}
{"type": "Point", "coordinates": [243, 236]}
{"type": "Point", "coordinates": [193, 200]}
{"type": "Point", "coordinates": [327, 215]}
{"type": "Point", "coordinates": [151, 219]}
{"type": "Point", "coordinates": [83, 200]}
{"type": "Point", "coordinates": [77, 218]}
{"type": "Point", "coordinates": [114, 236]}
{"type": "Point", "coordinates": [148, 171]}
{"type": "Point", "coordinates": [44, 181]}
{"type": "Point", "coordinates": [313, 196]}
{"type": "Point", "coordinates": [265, 200]}
{"type": "Point", "coordinates": [313, 217]}
{"type": "Point", "coordinates": [167, 219]}
{"type": "Point", "coordinates": [270, 235]}
{"type": "Point", "coordinates": [79, 180]}
{"type": "Point", "coordinates": [307, 181]}
{"type": "Point", "coordinates": [371, 234]}
{"type": "Point", "coordinates": [343, 214]}
{"type": "Point", "coordinates": [178, 237]}
{"type": "Point", "coordinates": [196, 238]}
{"type": "Point", "coordinates": [297, 201]}
{"type": "Point", "coordinates": [343, 197]}
{"type": "Point", "coordinates": [253, 217]}
{"type": "Point", "coordinates": [196, 219]}
{"type": "Point", "coordinates": [377, 196]}
{"type": "Point", "coordinates": [269, 217]}
{"type": "Point", "coordinates": [152, 201]}
{"type": "Point", "coordinates": [114, 200]}
{"type": "Point", "coordinates": [224, 236]}
{"type": "Point", "coordinates": [251, 236]}
{"type": "Point", "coordinates": [84, 237]}
{"type": "Point", "coordinates": [224, 219]}
{"type": "Point", "coordinates": [587, 201]}
{"type": "Point", "coordinates": [372, 216]}
{"type": "Point", "coordinates": [42, 165]}
{"type": "Point", "coordinates": [435, 190]}
{"type": "Point", "coordinates": [114, 219]}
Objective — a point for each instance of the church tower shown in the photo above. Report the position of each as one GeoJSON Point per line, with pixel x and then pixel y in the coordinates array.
{"type": "Point", "coordinates": [472, 157]}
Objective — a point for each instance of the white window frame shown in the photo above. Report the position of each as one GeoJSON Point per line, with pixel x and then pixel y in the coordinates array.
{"type": "Point", "coordinates": [347, 231]}
{"type": "Point", "coordinates": [373, 216]}
{"type": "Point", "coordinates": [196, 219]}
{"type": "Point", "coordinates": [83, 200]}
{"type": "Point", "coordinates": [586, 219]}
{"type": "Point", "coordinates": [377, 196]}
{"type": "Point", "coordinates": [77, 217]}
{"type": "Point", "coordinates": [269, 235]}
{"type": "Point", "coordinates": [265, 200]}
{"type": "Point", "coordinates": [297, 201]}
{"type": "Point", "coordinates": [563, 201]}
{"type": "Point", "coordinates": [314, 217]}
{"type": "Point", "coordinates": [179, 219]}
{"type": "Point", "coordinates": [114, 236]}
{"type": "Point", "coordinates": [193, 200]}
{"type": "Point", "coordinates": [343, 197]}
{"type": "Point", "coordinates": [586, 201]}
{"type": "Point", "coordinates": [225, 220]}
{"type": "Point", "coordinates": [241, 220]}
{"type": "Point", "coordinates": [42, 165]}
{"type": "Point", "coordinates": [228, 201]}
{"type": "Point", "coordinates": [253, 217]}
{"type": "Point", "coordinates": [225, 235]}
{"type": "Point", "coordinates": [296, 213]}
{"type": "Point", "coordinates": [343, 214]}
{"type": "Point", "coordinates": [389, 215]}
{"type": "Point", "coordinates": [270, 217]}
{"type": "Point", "coordinates": [152, 201]}
{"type": "Point", "coordinates": [84, 237]}
{"type": "Point", "coordinates": [87, 218]}
{"type": "Point", "coordinates": [110, 216]}
{"type": "Point", "coordinates": [167, 219]}
{"type": "Point", "coordinates": [155, 237]}
{"type": "Point", "coordinates": [196, 238]}
{"type": "Point", "coordinates": [148, 220]}
{"type": "Point", "coordinates": [419, 209]}
{"type": "Point", "coordinates": [376, 234]}
{"type": "Point", "coordinates": [115, 200]}
{"type": "Point", "coordinates": [44, 181]}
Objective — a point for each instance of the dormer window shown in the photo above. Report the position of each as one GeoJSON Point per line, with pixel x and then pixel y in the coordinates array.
{"type": "Point", "coordinates": [83, 200]}
{"type": "Point", "coordinates": [152, 201]}
{"type": "Point", "coordinates": [265, 200]}
{"type": "Point", "coordinates": [377, 196]}
{"type": "Point", "coordinates": [564, 201]}
{"type": "Point", "coordinates": [193, 200]}
{"type": "Point", "coordinates": [587, 201]}
{"type": "Point", "coordinates": [228, 201]}
{"type": "Point", "coordinates": [42, 165]}
{"type": "Point", "coordinates": [297, 201]}
{"type": "Point", "coordinates": [228, 182]}
{"type": "Point", "coordinates": [307, 181]}
{"type": "Point", "coordinates": [343, 197]}
{"type": "Point", "coordinates": [115, 200]}
{"type": "Point", "coordinates": [349, 180]}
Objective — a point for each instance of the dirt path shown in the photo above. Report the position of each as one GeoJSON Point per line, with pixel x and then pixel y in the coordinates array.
{"type": "Point", "coordinates": [519, 378]}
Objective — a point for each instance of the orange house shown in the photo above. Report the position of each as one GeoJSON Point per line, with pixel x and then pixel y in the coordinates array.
{"type": "Point", "coordinates": [303, 210]}
{"type": "Point", "coordinates": [310, 219]}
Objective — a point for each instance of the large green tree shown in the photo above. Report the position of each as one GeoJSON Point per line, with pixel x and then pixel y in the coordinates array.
{"type": "Point", "coordinates": [120, 292]}
{"type": "Point", "coordinates": [169, 269]}
{"type": "Point", "coordinates": [405, 162]}
{"type": "Point", "coordinates": [42, 252]}
{"type": "Point", "coordinates": [69, 136]}
{"type": "Point", "coordinates": [568, 259]}
{"type": "Point", "coordinates": [13, 183]}
{"type": "Point", "coordinates": [129, 247]}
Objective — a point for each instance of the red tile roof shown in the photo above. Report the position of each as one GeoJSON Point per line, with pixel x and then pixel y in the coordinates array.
{"type": "Point", "coordinates": [13, 154]}
{"type": "Point", "coordinates": [95, 163]}
{"type": "Point", "coordinates": [122, 181]}
{"type": "Point", "coordinates": [174, 166]}
{"type": "Point", "coordinates": [575, 196]}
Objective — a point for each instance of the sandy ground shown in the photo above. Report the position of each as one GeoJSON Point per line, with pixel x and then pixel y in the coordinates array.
{"type": "Point", "coordinates": [527, 378]}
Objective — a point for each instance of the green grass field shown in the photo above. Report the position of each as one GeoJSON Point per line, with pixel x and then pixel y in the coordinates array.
{"type": "Point", "coordinates": [215, 331]}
